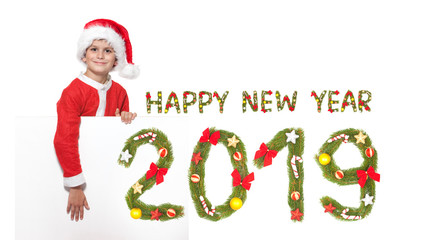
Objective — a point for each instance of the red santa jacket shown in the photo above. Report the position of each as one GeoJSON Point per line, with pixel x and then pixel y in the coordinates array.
{"type": "Point", "coordinates": [83, 97]}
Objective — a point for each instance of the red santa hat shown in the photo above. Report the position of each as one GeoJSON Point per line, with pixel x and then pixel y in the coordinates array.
{"type": "Point", "coordinates": [118, 37]}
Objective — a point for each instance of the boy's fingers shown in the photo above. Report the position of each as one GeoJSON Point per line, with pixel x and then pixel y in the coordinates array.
{"type": "Point", "coordinates": [82, 212]}
{"type": "Point", "coordinates": [86, 205]}
{"type": "Point", "coordinates": [117, 112]}
{"type": "Point", "coordinates": [123, 116]}
{"type": "Point", "coordinates": [76, 214]}
{"type": "Point", "coordinates": [77, 210]}
{"type": "Point", "coordinates": [72, 213]}
{"type": "Point", "coordinates": [126, 117]}
{"type": "Point", "coordinates": [129, 117]}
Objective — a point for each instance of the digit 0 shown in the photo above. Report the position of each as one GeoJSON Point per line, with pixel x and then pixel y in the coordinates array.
{"type": "Point", "coordinates": [365, 175]}
{"type": "Point", "coordinates": [155, 175]}
{"type": "Point", "coordinates": [241, 177]}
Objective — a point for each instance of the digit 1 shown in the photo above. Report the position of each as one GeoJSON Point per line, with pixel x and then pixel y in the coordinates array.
{"type": "Point", "coordinates": [294, 140]}
{"type": "Point", "coordinates": [365, 175]}
{"type": "Point", "coordinates": [153, 176]}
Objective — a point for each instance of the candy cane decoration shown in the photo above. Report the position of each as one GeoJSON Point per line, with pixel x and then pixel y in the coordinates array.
{"type": "Point", "coordinates": [349, 217]}
{"type": "Point", "coordinates": [211, 213]}
{"type": "Point", "coordinates": [346, 138]}
{"type": "Point", "coordinates": [293, 163]}
{"type": "Point", "coordinates": [153, 136]}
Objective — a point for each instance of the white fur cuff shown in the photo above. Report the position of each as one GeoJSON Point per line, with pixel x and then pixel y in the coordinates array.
{"type": "Point", "coordinates": [74, 181]}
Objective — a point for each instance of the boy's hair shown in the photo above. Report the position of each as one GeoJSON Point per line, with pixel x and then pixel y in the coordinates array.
{"type": "Point", "coordinates": [117, 36]}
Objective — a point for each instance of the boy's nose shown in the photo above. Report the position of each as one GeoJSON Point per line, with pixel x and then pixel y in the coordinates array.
{"type": "Point", "coordinates": [100, 55]}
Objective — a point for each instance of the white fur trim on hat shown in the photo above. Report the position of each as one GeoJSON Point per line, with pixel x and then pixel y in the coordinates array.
{"type": "Point", "coordinates": [129, 71]}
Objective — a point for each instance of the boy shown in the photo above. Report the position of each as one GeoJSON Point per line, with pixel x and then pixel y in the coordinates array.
{"type": "Point", "coordinates": [103, 46]}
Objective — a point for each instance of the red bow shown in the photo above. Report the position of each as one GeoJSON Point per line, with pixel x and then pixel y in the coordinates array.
{"type": "Point", "coordinates": [264, 151]}
{"type": "Point", "coordinates": [245, 182]}
{"type": "Point", "coordinates": [213, 139]}
{"type": "Point", "coordinates": [156, 170]}
{"type": "Point", "coordinates": [363, 175]}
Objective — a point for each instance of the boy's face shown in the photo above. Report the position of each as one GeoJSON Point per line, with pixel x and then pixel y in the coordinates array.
{"type": "Point", "coordinates": [100, 58]}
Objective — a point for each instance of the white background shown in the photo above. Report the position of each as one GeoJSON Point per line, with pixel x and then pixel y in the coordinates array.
{"type": "Point", "coordinates": [380, 46]}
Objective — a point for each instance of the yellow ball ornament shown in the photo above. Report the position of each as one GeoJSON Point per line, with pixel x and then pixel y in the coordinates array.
{"type": "Point", "coordinates": [135, 213]}
{"type": "Point", "coordinates": [324, 159]}
{"type": "Point", "coordinates": [235, 203]}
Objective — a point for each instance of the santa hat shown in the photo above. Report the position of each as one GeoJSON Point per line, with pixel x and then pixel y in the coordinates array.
{"type": "Point", "coordinates": [118, 37]}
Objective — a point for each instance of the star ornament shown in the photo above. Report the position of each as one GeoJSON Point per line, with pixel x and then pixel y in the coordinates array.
{"type": "Point", "coordinates": [196, 157]}
{"type": "Point", "coordinates": [368, 200]}
{"type": "Point", "coordinates": [232, 141]}
{"type": "Point", "coordinates": [291, 137]}
{"type": "Point", "coordinates": [137, 188]}
{"type": "Point", "coordinates": [156, 215]}
{"type": "Point", "coordinates": [296, 215]}
{"type": "Point", "coordinates": [125, 155]}
{"type": "Point", "coordinates": [329, 208]}
{"type": "Point", "coordinates": [360, 138]}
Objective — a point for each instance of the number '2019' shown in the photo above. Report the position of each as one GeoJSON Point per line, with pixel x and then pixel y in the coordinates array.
{"type": "Point", "coordinates": [290, 138]}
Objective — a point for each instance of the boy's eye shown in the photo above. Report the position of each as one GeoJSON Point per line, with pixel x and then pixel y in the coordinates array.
{"type": "Point", "coordinates": [108, 50]}
{"type": "Point", "coordinates": [93, 49]}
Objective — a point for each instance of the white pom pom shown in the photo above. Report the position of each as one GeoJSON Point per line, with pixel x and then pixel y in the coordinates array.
{"type": "Point", "coordinates": [129, 71]}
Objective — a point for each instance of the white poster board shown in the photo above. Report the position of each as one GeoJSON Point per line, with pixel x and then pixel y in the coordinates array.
{"type": "Point", "coordinates": [265, 213]}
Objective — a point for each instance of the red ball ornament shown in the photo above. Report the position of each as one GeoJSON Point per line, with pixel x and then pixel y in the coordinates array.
{"type": "Point", "coordinates": [339, 174]}
{"type": "Point", "coordinates": [163, 152]}
{"type": "Point", "coordinates": [237, 156]}
{"type": "Point", "coordinates": [295, 195]}
{"type": "Point", "coordinates": [195, 178]}
{"type": "Point", "coordinates": [369, 152]}
{"type": "Point", "coordinates": [171, 213]}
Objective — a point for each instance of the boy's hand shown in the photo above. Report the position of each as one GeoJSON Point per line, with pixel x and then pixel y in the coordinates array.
{"type": "Point", "coordinates": [126, 117]}
{"type": "Point", "coordinates": [76, 203]}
